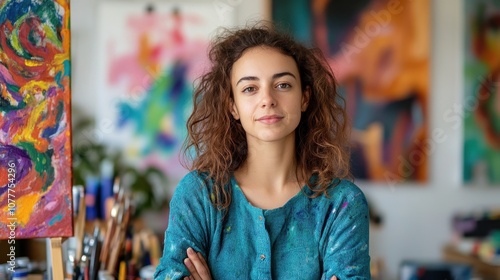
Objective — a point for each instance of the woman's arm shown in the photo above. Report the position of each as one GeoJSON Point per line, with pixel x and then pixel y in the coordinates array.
{"type": "Point", "coordinates": [188, 227]}
{"type": "Point", "coordinates": [346, 242]}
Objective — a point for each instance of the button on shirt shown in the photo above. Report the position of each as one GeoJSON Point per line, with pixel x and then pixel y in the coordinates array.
{"type": "Point", "coordinates": [307, 238]}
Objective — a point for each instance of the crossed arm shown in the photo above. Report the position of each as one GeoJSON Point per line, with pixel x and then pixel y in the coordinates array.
{"type": "Point", "coordinates": [198, 267]}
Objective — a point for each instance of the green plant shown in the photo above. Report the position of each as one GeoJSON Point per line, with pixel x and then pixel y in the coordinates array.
{"type": "Point", "coordinates": [88, 154]}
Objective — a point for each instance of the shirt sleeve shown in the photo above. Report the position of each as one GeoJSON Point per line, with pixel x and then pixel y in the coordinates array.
{"type": "Point", "coordinates": [345, 246]}
{"type": "Point", "coordinates": [187, 227]}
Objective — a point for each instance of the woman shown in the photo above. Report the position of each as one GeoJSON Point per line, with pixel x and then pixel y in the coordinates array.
{"type": "Point", "coordinates": [267, 196]}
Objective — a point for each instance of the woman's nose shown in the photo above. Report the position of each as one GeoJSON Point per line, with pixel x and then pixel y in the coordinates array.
{"type": "Point", "coordinates": [268, 98]}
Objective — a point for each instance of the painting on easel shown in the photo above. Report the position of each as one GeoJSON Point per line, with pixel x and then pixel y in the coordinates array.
{"type": "Point", "coordinates": [35, 123]}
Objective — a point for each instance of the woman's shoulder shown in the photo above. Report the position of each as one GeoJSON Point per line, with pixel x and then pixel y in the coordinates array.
{"type": "Point", "coordinates": [343, 190]}
{"type": "Point", "coordinates": [194, 176]}
{"type": "Point", "coordinates": [343, 198]}
{"type": "Point", "coordinates": [192, 184]}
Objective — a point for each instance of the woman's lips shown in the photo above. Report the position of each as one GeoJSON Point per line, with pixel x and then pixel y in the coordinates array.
{"type": "Point", "coordinates": [270, 119]}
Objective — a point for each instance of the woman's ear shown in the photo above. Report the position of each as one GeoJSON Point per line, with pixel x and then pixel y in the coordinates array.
{"type": "Point", "coordinates": [306, 95]}
{"type": "Point", "coordinates": [234, 111]}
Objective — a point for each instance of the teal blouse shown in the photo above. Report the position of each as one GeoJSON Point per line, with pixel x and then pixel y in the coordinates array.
{"type": "Point", "coordinates": [307, 238]}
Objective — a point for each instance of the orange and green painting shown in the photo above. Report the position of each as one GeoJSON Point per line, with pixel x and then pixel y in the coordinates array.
{"type": "Point", "coordinates": [35, 131]}
{"type": "Point", "coordinates": [379, 52]}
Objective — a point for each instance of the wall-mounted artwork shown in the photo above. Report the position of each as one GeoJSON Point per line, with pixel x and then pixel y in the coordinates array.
{"type": "Point", "coordinates": [148, 58]}
{"type": "Point", "coordinates": [481, 107]}
{"type": "Point", "coordinates": [379, 53]}
{"type": "Point", "coordinates": [35, 131]}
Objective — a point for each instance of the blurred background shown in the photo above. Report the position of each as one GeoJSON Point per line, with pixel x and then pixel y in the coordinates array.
{"type": "Point", "coordinates": [421, 81]}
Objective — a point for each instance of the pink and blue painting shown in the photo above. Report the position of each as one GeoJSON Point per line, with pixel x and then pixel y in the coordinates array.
{"type": "Point", "coordinates": [379, 53]}
{"type": "Point", "coordinates": [35, 125]}
{"type": "Point", "coordinates": [149, 57]}
{"type": "Point", "coordinates": [481, 107]}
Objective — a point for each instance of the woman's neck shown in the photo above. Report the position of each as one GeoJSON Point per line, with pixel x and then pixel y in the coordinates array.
{"type": "Point", "coordinates": [271, 166]}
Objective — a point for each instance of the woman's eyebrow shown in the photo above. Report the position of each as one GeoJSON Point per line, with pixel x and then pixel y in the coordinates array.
{"type": "Point", "coordinates": [247, 78]}
{"type": "Point", "coordinates": [279, 75]}
{"type": "Point", "coordinates": [275, 76]}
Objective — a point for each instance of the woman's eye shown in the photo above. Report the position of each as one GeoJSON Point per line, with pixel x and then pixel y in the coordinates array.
{"type": "Point", "coordinates": [283, 86]}
{"type": "Point", "coordinates": [249, 89]}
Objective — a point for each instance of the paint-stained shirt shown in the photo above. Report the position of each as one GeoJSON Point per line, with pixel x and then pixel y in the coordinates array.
{"type": "Point", "coordinates": [307, 238]}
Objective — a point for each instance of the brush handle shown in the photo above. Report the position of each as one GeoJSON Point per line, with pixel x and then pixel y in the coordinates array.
{"type": "Point", "coordinates": [110, 228]}
{"type": "Point", "coordinates": [117, 246]}
{"type": "Point", "coordinates": [80, 225]}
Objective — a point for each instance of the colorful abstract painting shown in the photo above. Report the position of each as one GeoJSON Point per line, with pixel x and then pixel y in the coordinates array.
{"type": "Point", "coordinates": [481, 107]}
{"type": "Point", "coordinates": [149, 57]}
{"type": "Point", "coordinates": [35, 131]}
{"type": "Point", "coordinates": [379, 53]}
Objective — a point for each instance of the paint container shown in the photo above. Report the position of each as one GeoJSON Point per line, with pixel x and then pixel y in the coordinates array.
{"type": "Point", "coordinates": [24, 262]}
{"type": "Point", "coordinates": [91, 198]}
{"type": "Point", "coordinates": [106, 187]}
{"type": "Point", "coordinates": [20, 274]}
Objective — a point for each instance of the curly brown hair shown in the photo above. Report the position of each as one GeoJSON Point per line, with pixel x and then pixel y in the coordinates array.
{"type": "Point", "coordinates": [216, 142]}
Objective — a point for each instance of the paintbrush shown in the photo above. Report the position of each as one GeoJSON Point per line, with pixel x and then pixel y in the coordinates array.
{"type": "Point", "coordinates": [119, 236]}
{"type": "Point", "coordinates": [116, 188]}
{"type": "Point", "coordinates": [116, 212]}
{"type": "Point", "coordinates": [79, 227]}
{"type": "Point", "coordinates": [112, 222]}
{"type": "Point", "coordinates": [94, 246]}
{"type": "Point", "coordinates": [110, 201]}
{"type": "Point", "coordinates": [115, 248]}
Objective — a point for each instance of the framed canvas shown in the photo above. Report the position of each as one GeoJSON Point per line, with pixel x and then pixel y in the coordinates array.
{"type": "Point", "coordinates": [148, 57]}
{"type": "Point", "coordinates": [35, 124]}
{"type": "Point", "coordinates": [379, 53]}
{"type": "Point", "coordinates": [481, 106]}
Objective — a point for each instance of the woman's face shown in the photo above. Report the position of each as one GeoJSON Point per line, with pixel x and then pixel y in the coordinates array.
{"type": "Point", "coordinates": [267, 94]}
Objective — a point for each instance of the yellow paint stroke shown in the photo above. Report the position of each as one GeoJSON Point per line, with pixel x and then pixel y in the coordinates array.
{"type": "Point", "coordinates": [4, 56]}
{"type": "Point", "coordinates": [14, 41]}
{"type": "Point", "coordinates": [33, 124]}
{"type": "Point", "coordinates": [31, 62]}
{"type": "Point", "coordinates": [51, 35]}
{"type": "Point", "coordinates": [59, 59]}
{"type": "Point", "coordinates": [14, 38]}
{"type": "Point", "coordinates": [24, 207]}
{"type": "Point", "coordinates": [32, 88]}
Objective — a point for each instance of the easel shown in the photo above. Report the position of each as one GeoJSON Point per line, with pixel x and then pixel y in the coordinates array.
{"type": "Point", "coordinates": [54, 257]}
{"type": "Point", "coordinates": [54, 244]}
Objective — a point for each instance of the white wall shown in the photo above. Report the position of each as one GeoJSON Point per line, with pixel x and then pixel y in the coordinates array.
{"type": "Point", "coordinates": [416, 218]}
